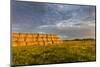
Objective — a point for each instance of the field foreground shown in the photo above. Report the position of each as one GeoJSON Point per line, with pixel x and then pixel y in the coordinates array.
{"type": "Point", "coordinates": [69, 51]}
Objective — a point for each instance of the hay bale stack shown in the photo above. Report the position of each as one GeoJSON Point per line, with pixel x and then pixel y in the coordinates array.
{"type": "Point", "coordinates": [31, 39]}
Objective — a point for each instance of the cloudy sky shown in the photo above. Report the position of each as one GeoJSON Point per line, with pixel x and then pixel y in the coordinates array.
{"type": "Point", "coordinates": [68, 21]}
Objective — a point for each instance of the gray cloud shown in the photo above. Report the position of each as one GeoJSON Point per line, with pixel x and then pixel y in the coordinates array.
{"type": "Point", "coordinates": [68, 21]}
{"type": "Point", "coordinates": [71, 30]}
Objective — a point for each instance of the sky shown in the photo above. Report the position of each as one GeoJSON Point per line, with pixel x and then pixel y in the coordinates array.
{"type": "Point", "coordinates": [67, 20]}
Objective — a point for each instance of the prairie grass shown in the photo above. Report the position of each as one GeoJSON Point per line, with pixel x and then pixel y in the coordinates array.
{"type": "Point", "coordinates": [67, 52]}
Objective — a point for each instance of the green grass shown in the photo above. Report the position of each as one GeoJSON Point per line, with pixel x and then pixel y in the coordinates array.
{"type": "Point", "coordinates": [69, 51]}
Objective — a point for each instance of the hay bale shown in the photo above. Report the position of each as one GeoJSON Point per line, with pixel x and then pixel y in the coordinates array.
{"type": "Point", "coordinates": [41, 43]}
{"type": "Point", "coordinates": [29, 35]}
{"type": "Point", "coordinates": [49, 40]}
{"type": "Point", "coordinates": [53, 39]}
{"type": "Point", "coordinates": [44, 39]}
{"type": "Point", "coordinates": [29, 39]}
{"type": "Point", "coordinates": [22, 43]}
{"type": "Point", "coordinates": [14, 44]}
{"type": "Point", "coordinates": [21, 39]}
{"type": "Point", "coordinates": [35, 43]}
{"type": "Point", "coordinates": [30, 43]}
{"type": "Point", "coordinates": [34, 39]}
{"type": "Point", "coordinates": [35, 35]}
{"type": "Point", "coordinates": [14, 39]}
{"type": "Point", "coordinates": [39, 39]}
{"type": "Point", "coordinates": [15, 34]}
{"type": "Point", "coordinates": [22, 35]}
{"type": "Point", "coordinates": [41, 35]}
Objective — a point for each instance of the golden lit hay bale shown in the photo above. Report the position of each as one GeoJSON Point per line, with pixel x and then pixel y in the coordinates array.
{"type": "Point", "coordinates": [15, 34]}
{"type": "Point", "coordinates": [48, 37]}
{"type": "Point", "coordinates": [39, 39]}
{"type": "Point", "coordinates": [21, 43]}
{"type": "Point", "coordinates": [35, 43]}
{"type": "Point", "coordinates": [28, 39]}
{"type": "Point", "coordinates": [40, 35]}
{"type": "Point", "coordinates": [22, 35]}
{"type": "Point", "coordinates": [45, 42]}
{"type": "Point", "coordinates": [29, 44]}
{"type": "Point", "coordinates": [34, 39]}
{"type": "Point", "coordinates": [56, 37]}
{"type": "Point", "coordinates": [44, 39]}
{"type": "Point", "coordinates": [21, 39]}
{"type": "Point", "coordinates": [14, 44]}
{"type": "Point", "coordinates": [41, 43]}
{"type": "Point", "coordinates": [14, 38]}
{"type": "Point", "coordinates": [53, 39]}
{"type": "Point", "coordinates": [44, 35]}
{"type": "Point", "coordinates": [49, 40]}
{"type": "Point", "coordinates": [29, 35]}
{"type": "Point", "coordinates": [35, 35]}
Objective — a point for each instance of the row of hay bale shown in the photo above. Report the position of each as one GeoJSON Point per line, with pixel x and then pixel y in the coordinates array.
{"type": "Point", "coordinates": [33, 35]}
{"type": "Point", "coordinates": [29, 39]}
{"type": "Point", "coordinates": [41, 43]}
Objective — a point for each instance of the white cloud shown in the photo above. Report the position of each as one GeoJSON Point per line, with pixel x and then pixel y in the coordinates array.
{"type": "Point", "coordinates": [45, 26]}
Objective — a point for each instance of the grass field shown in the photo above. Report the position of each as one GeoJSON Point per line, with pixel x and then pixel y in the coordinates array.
{"type": "Point", "coordinates": [69, 51]}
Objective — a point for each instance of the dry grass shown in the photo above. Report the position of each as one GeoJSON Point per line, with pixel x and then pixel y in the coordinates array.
{"type": "Point", "coordinates": [69, 51]}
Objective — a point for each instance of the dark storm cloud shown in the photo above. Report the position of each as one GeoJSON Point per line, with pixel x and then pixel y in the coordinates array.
{"type": "Point", "coordinates": [69, 21]}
